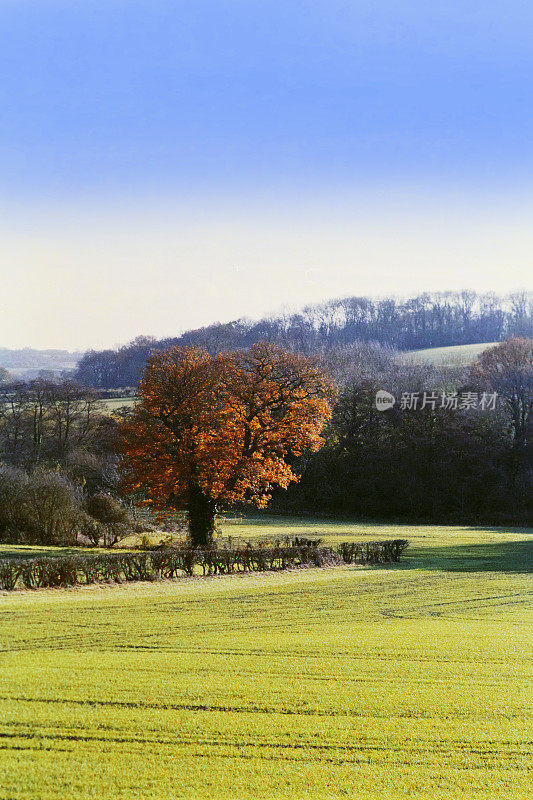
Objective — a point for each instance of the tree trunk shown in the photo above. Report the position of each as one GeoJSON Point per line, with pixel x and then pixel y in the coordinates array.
{"type": "Point", "coordinates": [202, 511]}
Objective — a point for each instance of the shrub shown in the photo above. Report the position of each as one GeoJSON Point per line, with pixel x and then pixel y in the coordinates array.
{"type": "Point", "coordinates": [112, 516]}
{"type": "Point", "coordinates": [9, 573]}
{"type": "Point", "coordinates": [52, 506]}
{"type": "Point", "coordinates": [90, 528]}
{"type": "Point", "coordinates": [43, 507]}
{"type": "Point", "coordinates": [13, 516]}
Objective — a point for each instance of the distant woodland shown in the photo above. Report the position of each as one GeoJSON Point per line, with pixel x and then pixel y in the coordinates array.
{"type": "Point", "coordinates": [429, 320]}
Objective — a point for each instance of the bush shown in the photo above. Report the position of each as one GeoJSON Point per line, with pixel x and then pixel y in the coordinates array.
{"type": "Point", "coordinates": [372, 552]}
{"type": "Point", "coordinates": [114, 519]}
{"type": "Point", "coordinates": [41, 508]}
{"type": "Point", "coordinates": [9, 575]}
{"type": "Point", "coordinates": [13, 513]}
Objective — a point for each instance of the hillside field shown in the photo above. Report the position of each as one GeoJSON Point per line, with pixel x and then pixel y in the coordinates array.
{"type": "Point", "coordinates": [460, 355]}
{"type": "Point", "coordinates": [405, 681]}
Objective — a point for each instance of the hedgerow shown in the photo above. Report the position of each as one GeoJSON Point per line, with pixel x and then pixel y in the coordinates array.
{"type": "Point", "coordinates": [170, 563]}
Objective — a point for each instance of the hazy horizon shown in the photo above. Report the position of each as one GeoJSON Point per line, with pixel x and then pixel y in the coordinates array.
{"type": "Point", "coordinates": [271, 313]}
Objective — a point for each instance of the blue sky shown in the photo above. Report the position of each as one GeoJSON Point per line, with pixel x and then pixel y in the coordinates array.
{"type": "Point", "coordinates": [186, 110]}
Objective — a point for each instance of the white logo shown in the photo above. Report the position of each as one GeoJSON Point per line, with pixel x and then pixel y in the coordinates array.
{"type": "Point", "coordinates": [384, 400]}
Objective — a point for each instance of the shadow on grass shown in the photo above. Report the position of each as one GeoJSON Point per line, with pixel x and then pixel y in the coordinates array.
{"type": "Point", "coordinates": [483, 557]}
{"type": "Point", "coordinates": [35, 551]}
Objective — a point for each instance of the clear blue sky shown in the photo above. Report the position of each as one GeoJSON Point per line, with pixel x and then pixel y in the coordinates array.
{"type": "Point", "coordinates": [146, 110]}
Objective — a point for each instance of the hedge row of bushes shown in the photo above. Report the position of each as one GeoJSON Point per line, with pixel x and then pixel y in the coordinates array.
{"type": "Point", "coordinates": [372, 552]}
{"type": "Point", "coordinates": [71, 570]}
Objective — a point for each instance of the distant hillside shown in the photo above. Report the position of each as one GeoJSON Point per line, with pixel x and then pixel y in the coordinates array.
{"type": "Point", "coordinates": [440, 320]}
{"type": "Point", "coordinates": [27, 363]}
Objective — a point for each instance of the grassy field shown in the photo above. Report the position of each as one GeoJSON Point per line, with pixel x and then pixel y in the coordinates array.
{"type": "Point", "coordinates": [406, 681]}
{"type": "Point", "coordinates": [458, 356]}
{"type": "Point", "coordinates": [113, 404]}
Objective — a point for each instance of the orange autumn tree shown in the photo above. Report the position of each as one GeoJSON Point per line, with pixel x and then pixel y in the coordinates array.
{"type": "Point", "coordinates": [213, 431]}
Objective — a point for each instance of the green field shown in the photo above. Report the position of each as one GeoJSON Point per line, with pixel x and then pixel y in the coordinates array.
{"type": "Point", "coordinates": [112, 404]}
{"type": "Point", "coordinates": [460, 355]}
{"type": "Point", "coordinates": [406, 681]}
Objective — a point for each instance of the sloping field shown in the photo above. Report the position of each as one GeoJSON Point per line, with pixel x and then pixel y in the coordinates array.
{"type": "Point", "coordinates": [460, 355]}
{"type": "Point", "coordinates": [406, 681]}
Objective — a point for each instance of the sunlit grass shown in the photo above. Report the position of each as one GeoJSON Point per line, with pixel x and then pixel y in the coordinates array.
{"type": "Point", "coordinates": [455, 356]}
{"type": "Point", "coordinates": [113, 404]}
{"type": "Point", "coordinates": [405, 681]}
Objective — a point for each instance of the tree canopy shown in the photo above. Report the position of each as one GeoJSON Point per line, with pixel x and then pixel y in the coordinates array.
{"type": "Point", "coordinates": [508, 369]}
{"type": "Point", "coordinates": [213, 431]}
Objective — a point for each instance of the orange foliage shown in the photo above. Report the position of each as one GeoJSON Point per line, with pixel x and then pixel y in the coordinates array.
{"type": "Point", "coordinates": [223, 425]}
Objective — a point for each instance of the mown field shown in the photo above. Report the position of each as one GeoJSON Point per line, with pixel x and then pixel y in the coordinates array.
{"type": "Point", "coordinates": [405, 681]}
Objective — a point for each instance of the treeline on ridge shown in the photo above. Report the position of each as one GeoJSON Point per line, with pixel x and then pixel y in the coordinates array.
{"type": "Point", "coordinates": [428, 320]}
